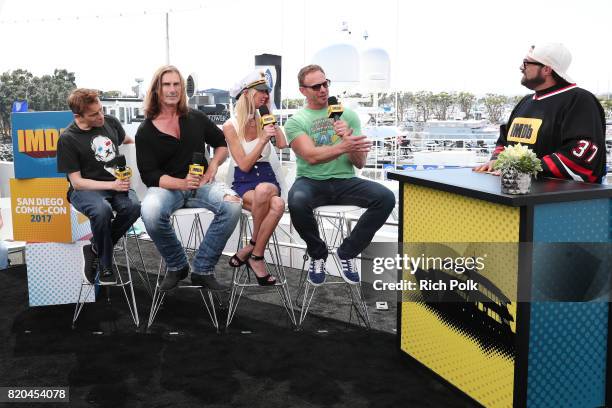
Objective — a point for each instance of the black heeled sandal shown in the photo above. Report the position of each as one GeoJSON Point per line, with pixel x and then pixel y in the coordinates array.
{"type": "Point", "coordinates": [236, 262]}
{"type": "Point", "coordinates": [267, 280]}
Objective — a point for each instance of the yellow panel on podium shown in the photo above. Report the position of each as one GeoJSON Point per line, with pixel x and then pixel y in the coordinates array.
{"type": "Point", "coordinates": [430, 331]}
{"type": "Point", "coordinates": [41, 212]}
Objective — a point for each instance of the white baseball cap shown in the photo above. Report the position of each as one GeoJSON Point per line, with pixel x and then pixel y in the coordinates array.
{"type": "Point", "coordinates": [554, 55]}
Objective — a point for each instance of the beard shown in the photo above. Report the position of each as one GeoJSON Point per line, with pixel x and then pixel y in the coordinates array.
{"type": "Point", "coordinates": [532, 83]}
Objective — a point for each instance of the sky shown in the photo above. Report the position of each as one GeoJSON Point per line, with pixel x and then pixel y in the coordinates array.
{"type": "Point", "coordinates": [436, 45]}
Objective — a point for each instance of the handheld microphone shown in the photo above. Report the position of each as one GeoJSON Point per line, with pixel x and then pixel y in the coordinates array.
{"type": "Point", "coordinates": [196, 167]}
{"type": "Point", "coordinates": [334, 109]}
{"type": "Point", "coordinates": [122, 172]}
{"type": "Point", "coordinates": [266, 118]}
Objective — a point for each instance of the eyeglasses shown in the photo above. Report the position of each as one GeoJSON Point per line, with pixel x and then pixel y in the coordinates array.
{"type": "Point", "coordinates": [525, 63]}
{"type": "Point", "coordinates": [317, 87]}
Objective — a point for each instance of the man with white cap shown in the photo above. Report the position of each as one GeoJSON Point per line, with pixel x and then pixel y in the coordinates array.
{"type": "Point", "coordinates": [562, 123]}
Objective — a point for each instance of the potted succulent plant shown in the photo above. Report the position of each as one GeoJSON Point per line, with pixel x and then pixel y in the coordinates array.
{"type": "Point", "coordinates": [517, 164]}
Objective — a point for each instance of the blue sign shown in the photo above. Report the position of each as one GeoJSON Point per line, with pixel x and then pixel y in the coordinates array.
{"type": "Point", "coordinates": [35, 136]}
{"type": "Point", "coordinates": [269, 79]}
{"type": "Point", "coordinates": [20, 106]}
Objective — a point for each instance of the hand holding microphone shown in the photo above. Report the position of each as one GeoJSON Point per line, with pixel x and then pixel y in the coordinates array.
{"type": "Point", "coordinates": [196, 170]}
{"type": "Point", "coordinates": [268, 123]}
{"type": "Point", "coordinates": [342, 129]}
{"type": "Point", "coordinates": [334, 112]}
{"type": "Point", "coordinates": [334, 109]}
{"type": "Point", "coordinates": [352, 144]}
{"type": "Point", "coordinates": [122, 174]}
{"type": "Point", "coordinates": [122, 171]}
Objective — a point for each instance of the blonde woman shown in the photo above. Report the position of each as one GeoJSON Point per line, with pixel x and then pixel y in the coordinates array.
{"type": "Point", "coordinates": [254, 178]}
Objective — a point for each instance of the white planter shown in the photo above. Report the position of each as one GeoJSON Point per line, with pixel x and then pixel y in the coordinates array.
{"type": "Point", "coordinates": [514, 182]}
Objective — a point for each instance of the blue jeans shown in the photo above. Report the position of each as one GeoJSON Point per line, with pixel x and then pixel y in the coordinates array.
{"type": "Point", "coordinates": [307, 194]}
{"type": "Point", "coordinates": [98, 206]}
{"type": "Point", "coordinates": [3, 255]}
{"type": "Point", "coordinates": [160, 203]}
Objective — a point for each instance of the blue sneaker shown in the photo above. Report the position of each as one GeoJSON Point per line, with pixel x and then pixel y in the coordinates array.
{"type": "Point", "coordinates": [316, 272]}
{"type": "Point", "coordinates": [348, 272]}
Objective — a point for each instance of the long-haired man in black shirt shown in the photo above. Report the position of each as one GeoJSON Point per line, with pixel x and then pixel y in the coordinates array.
{"type": "Point", "coordinates": [165, 143]}
{"type": "Point", "coordinates": [563, 124]}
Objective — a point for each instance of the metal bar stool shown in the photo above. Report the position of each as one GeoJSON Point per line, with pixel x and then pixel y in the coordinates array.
{"type": "Point", "coordinates": [144, 275]}
{"type": "Point", "coordinates": [130, 300]}
{"type": "Point", "coordinates": [336, 217]}
{"type": "Point", "coordinates": [196, 234]}
{"type": "Point", "coordinates": [241, 279]}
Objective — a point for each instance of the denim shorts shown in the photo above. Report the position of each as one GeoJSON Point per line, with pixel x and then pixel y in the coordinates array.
{"type": "Point", "coordinates": [260, 173]}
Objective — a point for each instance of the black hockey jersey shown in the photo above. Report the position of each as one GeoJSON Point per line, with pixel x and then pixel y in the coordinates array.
{"type": "Point", "coordinates": [565, 126]}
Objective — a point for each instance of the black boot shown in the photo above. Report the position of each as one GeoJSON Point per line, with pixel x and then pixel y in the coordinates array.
{"type": "Point", "coordinates": [107, 276]}
{"type": "Point", "coordinates": [90, 262]}
{"type": "Point", "coordinates": [207, 282]}
{"type": "Point", "coordinates": [172, 278]}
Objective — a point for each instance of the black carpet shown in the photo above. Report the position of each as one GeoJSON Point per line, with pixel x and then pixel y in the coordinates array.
{"type": "Point", "coordinates": [107, 362]}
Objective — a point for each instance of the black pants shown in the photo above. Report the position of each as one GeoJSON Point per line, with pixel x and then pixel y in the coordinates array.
{"type": "Point", "coordinates": [307, 194]}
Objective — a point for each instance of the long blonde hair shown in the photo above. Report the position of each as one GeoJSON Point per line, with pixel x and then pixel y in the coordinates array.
{"type": "Point", "coordinates": [244, 110]}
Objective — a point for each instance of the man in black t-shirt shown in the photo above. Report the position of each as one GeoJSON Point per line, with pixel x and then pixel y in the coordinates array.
{"type": "Point", "coordinates": [86, 152]}
{"type": "Point", "coordinates": [165, 145]}
{"type": "Point", "coordinates": [563, 124]}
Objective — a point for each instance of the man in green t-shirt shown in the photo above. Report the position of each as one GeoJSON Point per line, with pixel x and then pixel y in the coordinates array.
{"type": "Point", "coordinates": [327, 151]}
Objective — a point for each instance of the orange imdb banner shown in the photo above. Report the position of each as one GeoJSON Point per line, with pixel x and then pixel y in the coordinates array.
{"type": "Point", "coordinates": [41, 212]}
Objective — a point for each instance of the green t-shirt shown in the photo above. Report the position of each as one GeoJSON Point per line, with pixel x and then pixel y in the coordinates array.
{"type": "Point", "coordinates": [320, 129]}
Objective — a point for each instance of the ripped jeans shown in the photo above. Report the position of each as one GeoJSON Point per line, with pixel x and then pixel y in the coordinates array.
{"type": "Point", "coordinates": [160, 203]}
